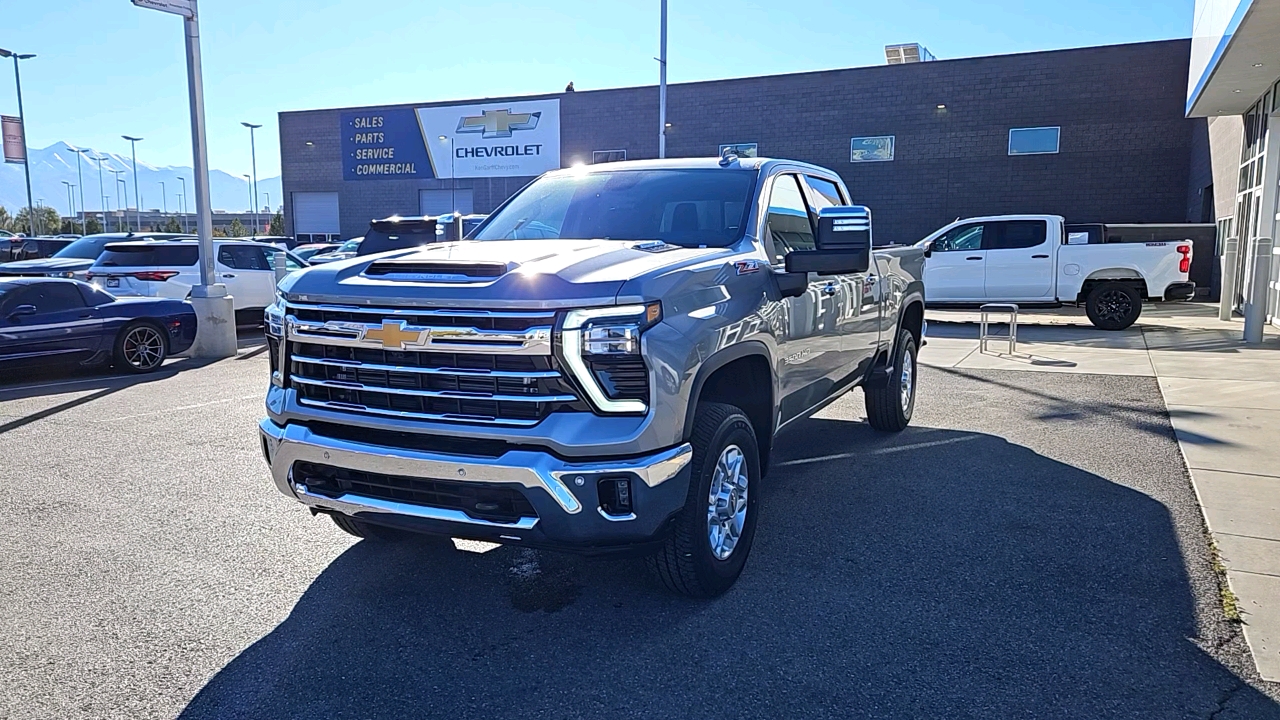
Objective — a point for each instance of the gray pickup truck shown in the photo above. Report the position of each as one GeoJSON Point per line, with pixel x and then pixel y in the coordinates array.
{"type": "Point", "coordinates": [602, 366]}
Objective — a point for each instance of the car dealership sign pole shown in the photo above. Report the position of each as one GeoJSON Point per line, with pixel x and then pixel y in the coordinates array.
{"type": "Point", "coordinates": [215, 310]}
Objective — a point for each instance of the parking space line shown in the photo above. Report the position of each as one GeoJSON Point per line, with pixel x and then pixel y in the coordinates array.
{"type": "Point", "coordinates": [879, 451]}
{"type": "Point", "coordinates": [182, 407]}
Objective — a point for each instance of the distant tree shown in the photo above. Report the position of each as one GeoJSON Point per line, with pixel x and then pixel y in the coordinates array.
{"type": "Point", "coordinates": [277, 224]}
{"type": "Point", "coordinates": [219, 232]}
{"type": "Point", "coordinates": [6, 220]}
{"type": "Point", "coordinates": [47, 221]}
{"type": "Point", "coordinates": [92, 226]}
{"type": "Point", "coordinates": [237, 229]}
{"type": "Point", "coordinates": [171, 226]}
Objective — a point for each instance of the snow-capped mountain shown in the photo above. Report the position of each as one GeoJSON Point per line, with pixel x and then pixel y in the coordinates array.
{"type": "Point", "coordinates": [53, 165]}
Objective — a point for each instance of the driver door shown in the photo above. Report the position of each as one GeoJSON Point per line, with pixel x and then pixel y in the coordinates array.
{"type": "Point", "coordinates": [957, 270]}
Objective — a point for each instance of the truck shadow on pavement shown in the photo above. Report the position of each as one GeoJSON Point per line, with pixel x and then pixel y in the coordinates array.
{"type": "Point", "coordinates": [933, 574]}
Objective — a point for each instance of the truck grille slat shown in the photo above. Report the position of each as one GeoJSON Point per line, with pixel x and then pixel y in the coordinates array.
{"type": "Point", "coordinates": [390, 362]}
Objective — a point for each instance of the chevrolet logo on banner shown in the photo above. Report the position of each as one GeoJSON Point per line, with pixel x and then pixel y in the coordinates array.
{"type": "Point", "coordinates": [498, 123]}
{"type": "Point", "coordinates": [393, 335]}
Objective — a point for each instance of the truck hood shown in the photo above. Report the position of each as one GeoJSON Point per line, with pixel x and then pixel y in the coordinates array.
{"type": "Point", "coordinates": [495, 273]}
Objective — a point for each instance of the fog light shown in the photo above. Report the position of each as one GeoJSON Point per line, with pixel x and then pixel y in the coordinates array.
{"type": "Point", "coordinates": [615, 495]}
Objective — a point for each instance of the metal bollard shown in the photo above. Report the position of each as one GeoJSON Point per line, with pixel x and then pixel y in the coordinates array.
{"type": "Point", "coordinates": [1255, 306]}
{"type": "Point", "coordinates": [280, 266]}
{"type": "Point", "coordinates": [1230, 257]}
{"type": "Point", "coordinates": [983, 336]}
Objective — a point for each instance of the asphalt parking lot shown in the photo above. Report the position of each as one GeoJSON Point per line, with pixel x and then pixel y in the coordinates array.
{"type": "Point", "coordinates": [1031, 547]}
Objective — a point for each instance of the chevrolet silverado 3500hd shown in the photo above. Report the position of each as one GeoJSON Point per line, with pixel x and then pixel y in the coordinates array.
{"type": "Point", "coordinates": [601, 366]}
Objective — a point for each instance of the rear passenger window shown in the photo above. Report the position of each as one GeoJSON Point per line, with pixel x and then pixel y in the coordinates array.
{"type": "Point", "coordinates": [788, 220]}
{"type": "Point", "coordinates": [243, 257]}
{"type": "Point", "coordinates": [1016, 234]}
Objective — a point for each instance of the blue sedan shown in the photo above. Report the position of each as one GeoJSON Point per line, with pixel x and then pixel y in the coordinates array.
{"type": "Point", "coordinates": [45, 321]}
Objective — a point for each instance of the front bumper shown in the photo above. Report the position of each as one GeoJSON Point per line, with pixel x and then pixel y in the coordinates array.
{"type": "Point", "coordinates": [1180, 291]}
{"type": "Point", "coordinates": [564, 494]}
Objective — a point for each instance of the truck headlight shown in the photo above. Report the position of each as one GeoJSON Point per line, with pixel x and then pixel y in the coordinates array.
{"type": "Point", "coordinates": [273, 321]}
{"type": "Point", "coordinates": [601, 349]}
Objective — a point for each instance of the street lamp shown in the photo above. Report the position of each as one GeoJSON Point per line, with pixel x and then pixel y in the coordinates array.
{"type": "Point", "coordinates": [26, 162]}
{"type": "Point", "coordinates": [184, 202]}
{"type": "Point", "coordinates": [453, 181]}
{"type": "Point", "coordinates": [71, 203]}
{"type": "Point", "coordinates": [122, 198]}
{"type": "Point", "coordinates": [102, 197]}
{"type": "Point", "coordinates": [137, 211]}
{"type": "Point", "coordinates": [268, 202]}
{"type": "Point", "coordinates": [249, 183]}
{"type": "Point", "coordinates": [164, 202]}
{"type": "Point", "coordinates": [80, 178]}
{"type": "Point", "coordinates": [253, 154]}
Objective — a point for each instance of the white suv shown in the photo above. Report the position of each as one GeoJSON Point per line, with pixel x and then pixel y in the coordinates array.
{"type": "Point", "coordinates": [170, 268]}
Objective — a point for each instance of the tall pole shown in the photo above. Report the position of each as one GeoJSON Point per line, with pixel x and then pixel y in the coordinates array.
{"type": "Point", "coordinates": [662, 85]}
{"type": "Point", "coordinates": [71, 205]}
{"type": "Point", "coordinates": [249, 182]}
{"type": "Point", "coordinates": [102, 195]}
{"type": "Point", "coordinates": [137, 199]}
{"type": "Point", "coordinates": [80, 176]}
{"type": "Point", "coordinates": [164, 202]}
{"type": "Point", "coordinates": [253, 153]}
{"type": "Point", "coordinates": [268, 202]}
{"type": "Point", "coordinates": [22, 120]}
{"type": "Point", "coordinates": [122, 199]}
{"type": "Point", "coordinates": [184, 202]}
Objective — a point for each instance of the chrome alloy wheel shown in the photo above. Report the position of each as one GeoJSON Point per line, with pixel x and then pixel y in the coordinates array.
{"type": "Point", "coordinates": [143, 347]}
{"type": "Point", "coordinates": [906, 384]}
{"type": "Point", "coordinates": [727, 503]}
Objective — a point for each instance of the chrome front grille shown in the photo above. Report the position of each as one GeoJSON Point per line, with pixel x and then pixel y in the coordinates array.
{"type": "Point", "coordinates": [473, 366]}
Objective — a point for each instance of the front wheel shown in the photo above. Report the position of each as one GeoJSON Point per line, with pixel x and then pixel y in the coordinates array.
{"type": "Point", "coordinates": [713, 533]}
{"type": "Point", "coordinates": [1113, 305]}
{"type": "Point", "coordinates": [141, 348]}
{"type": "Point", "coordinates": [889, 407]}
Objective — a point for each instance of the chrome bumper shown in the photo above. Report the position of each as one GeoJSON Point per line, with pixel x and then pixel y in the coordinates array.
{"type": "Point", "coordinates": [536, 471]}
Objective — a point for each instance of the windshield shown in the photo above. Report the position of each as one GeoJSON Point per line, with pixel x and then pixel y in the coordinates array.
{"type": "Point", "coordinates": [86, 248]}
{"type": "Point", "coordinates": [682, 207]}
{"type": "Point", "coordinates": [349, 246]}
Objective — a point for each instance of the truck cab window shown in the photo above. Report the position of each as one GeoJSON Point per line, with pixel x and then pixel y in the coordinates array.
{"type": "Point", "coordinates": [788, 220]}
{"type": "Point", "coordinates": [1017, 234]}
{"type": "Point", "coordinates": [965, 237]}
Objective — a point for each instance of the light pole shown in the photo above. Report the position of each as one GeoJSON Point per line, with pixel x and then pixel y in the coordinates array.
{"type": "Point", "coordinates": [102, 197]}
{"type": "Point", "coordinates": [453, 181]}
{"type": "Point", "coordinates": [182, 209]}
{"type": "Point", "coordinates": [122, 198]}
{"type": "Point", "coordinates": [184, 202]}
{"type": "Point", "coordinates": [253, 154]}
{"type": "Point", "coordinates": [164, 202]}
{"type": "Point", "coordinates": [71, 204]}
{"type": "Point", "coordinates": [22, 120]}
{"type": "Point", "coordinates": [80, 179]}
{"type": "Point", "coordinates": [249, 183]}
{"type": "Point", "coordinates": [137, 211]}
{"type": "Point", "coordinates": [662, 85]}
{"type": "Point", "coordinates": [268, 203]}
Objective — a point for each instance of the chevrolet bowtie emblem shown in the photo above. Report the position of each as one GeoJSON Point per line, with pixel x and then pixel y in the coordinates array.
{"type": "Point", "coordinates": [393, 335]}
{"type": "Point", "coordinates": [498, 123]}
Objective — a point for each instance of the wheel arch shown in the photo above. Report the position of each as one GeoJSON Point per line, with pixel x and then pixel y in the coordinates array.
{"type": "Point", "coordinates": [740, 375]}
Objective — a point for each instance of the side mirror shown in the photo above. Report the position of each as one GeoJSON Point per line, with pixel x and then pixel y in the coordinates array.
{"type": "Point", "coordinates": [843, 243]}
{"type": "Point", "coordinates": [22, 311]}
{"type": "Point", "coordinates": [928, 249]}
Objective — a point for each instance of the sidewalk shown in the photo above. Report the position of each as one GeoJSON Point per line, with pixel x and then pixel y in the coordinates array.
{"type": "Point", "coordinates": [1223, 399]}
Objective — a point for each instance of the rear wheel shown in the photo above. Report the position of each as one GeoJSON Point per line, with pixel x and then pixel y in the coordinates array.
{"type": "Point", "coordinates": [713, 533]}
{"type": "Point", "coordinates": [1113, 305]}
{"type": "Point", "coordinates": [141, 347]}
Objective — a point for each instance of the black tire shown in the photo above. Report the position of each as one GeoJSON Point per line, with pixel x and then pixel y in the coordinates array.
{"type": "Point", "coordinates": [889, 408]}
{"type": "Point", "coordinates": [141, 347]}
{"type": "Point", "coordinates": [687, 564]}
{"type": "Point", "coordinates": [1113, 305]}
{"type": "Point", "coordinates": [362, 529]}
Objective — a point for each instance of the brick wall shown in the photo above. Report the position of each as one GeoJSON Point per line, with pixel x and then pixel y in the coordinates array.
{"type": "Point", "coordinates": [1125, 154]}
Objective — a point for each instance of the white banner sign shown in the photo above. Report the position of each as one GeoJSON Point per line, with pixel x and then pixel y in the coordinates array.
{"type": "Point", "coordinates": [185, 8]}
{"type": "Point", "coordinates": [503, 139]}
{"type": "Point", "coordinates": [15, 145]}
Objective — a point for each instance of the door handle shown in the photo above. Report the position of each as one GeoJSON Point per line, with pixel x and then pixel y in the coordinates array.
{"type": "Point", "coordinates": [829, 289]}
{"type": "Point", "coordinates": [228, 275]}
{"type": "Point", "coordinates": [973, 258]}
{"type": "Point", "coordinates": [86, 316]}
{"type": "Point", "coordinates": [1040, 257]}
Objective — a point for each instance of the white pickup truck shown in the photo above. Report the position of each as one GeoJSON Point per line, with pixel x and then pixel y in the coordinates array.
{"type": "Point", "coordinates": [1031, 260]}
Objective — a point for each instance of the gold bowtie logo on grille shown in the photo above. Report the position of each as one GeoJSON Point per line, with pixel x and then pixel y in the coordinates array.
{"type": "Point", "coordinates": [393, 335]}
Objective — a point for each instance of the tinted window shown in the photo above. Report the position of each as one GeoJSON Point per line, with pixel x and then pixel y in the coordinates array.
{"type": "Point", "coordinates": [1033, 141]}
{"type": "Point", "coordinates": [52, 297]}
{"type": "Point", "coordinates": [683, 207]}
{"type": "Point", "coordinates": [95, 296]}
{"type": "Point", "coordinates": [1015, 234]}
{"type": "Point", "coordinates": [825, 193]}
{"type": "Point", "coordinates": [788, 220]}
{"type": "Point", "coordinates": [86, 248]}
{"type": "Point", "coordinates": [392, 236]}
{"type": "Point", "coordinates": [291, 261]}
{"type": "Point", "coordinates": [150, 255]}
{"type": "Point", "coordinates": [965, 237]}
{"type": "Point", "coordinates": [243, 257]}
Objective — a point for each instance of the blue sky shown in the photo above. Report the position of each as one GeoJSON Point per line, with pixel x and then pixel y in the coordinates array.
{"type": "Point", "coordinates": [107, 68]}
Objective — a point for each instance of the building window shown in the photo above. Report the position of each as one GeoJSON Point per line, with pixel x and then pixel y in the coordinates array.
{"type": "Point", "coordinates": [871, 149]}
{"type": "Point", "coordinates": [1034, 141]}
{"type": "Point", "coordinates": [742, 150]}
{"type": "Point", "coordinates": [607, 156]}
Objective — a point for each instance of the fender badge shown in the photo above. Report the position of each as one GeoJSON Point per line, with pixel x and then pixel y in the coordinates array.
{"type": "Point", "coordinates": [746, 267]}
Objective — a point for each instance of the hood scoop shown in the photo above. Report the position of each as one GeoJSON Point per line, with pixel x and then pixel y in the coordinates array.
{"type": "Point", "coordinates": [438, 270]}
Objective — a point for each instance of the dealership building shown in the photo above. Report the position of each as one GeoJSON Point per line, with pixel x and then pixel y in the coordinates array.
{"type": "Point", "coordinates": [1097, 134]}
